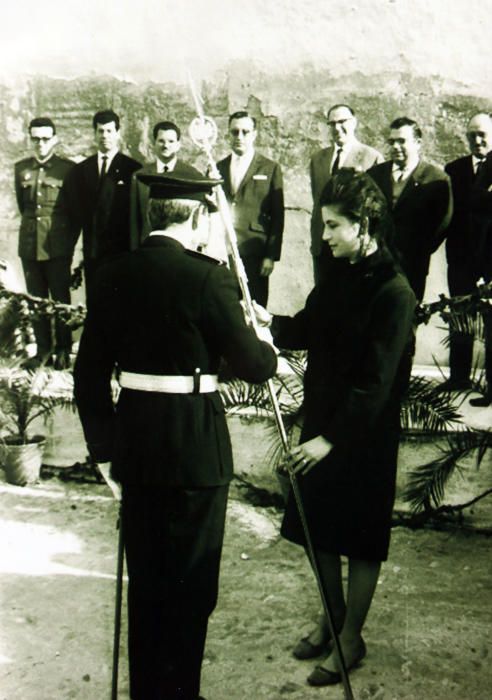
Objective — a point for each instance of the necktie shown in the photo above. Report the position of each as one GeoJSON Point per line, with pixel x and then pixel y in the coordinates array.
{"type": "Point", "coordinates": [165, 169]}
{"type": "Point", "coordinates": [104, 167]}
{"type": "Point", "coordinates": [399, 174]}
{"type": "Point", "coordinates": [479, 167]}
{"type": "Point", "coordinates": [336, 162]}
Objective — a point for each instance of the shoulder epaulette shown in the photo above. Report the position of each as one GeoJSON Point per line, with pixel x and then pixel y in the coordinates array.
{"type": "Point", "coordinates": [206, 258]}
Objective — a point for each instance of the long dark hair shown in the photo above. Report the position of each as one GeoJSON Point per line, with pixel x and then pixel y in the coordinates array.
{"type": "Point", "coordinates": [358, 197]}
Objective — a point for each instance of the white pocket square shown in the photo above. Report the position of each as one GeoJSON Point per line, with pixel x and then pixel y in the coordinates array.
{"type": "Point", "coordinates": [260, 177]}
{"type": "Point", "coordinates": [120, 182]}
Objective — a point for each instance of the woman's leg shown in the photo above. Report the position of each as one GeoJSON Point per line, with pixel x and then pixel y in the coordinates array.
{"type": "Point", "coordinates": [330, 571]}
{"type": "Point", "coordinates": [362, 581]}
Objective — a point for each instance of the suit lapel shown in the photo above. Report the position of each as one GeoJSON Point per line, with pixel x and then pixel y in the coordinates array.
{"type": "Point", "coordinates": [413, 181]}
{"type": "Point", "coordinates": [253, 167]}
{"type": "Point", "coordinates": [386, 183]}
{"type": "Point", "coordinates": [225, 171]}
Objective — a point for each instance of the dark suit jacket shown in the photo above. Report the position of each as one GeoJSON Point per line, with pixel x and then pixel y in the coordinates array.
{"type": "Point", "coordinates": [360, 157]}
{"type": "Point", "coordinates": [420, 217]}
{"type": "Point", "coordinates": [257, 207]}
{"type": "Point", "coordinates": [163, 310]}
{"type": "Point", "coordinates": [458, 241]}
{"type": "Point", "coordinates": [481, 221]}
{"type": "Point", "coordinates": [102, 210]}
{"type": "Point", "coordinates": [139, 199]}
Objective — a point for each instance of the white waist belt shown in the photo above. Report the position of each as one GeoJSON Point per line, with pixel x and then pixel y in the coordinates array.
{"type": "Point", "coordinates": [169, 384]}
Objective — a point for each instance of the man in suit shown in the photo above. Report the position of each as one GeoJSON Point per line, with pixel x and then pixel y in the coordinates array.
{"type": "Point", "coordinates": [460, 242]}
{"type": "Point", "coordinates": [481, 229]}
{"type": "Point", "coordinates": [98, 191]}
{"type": "Point", "coordinates": [346, 151]}
{"type": "Point", "coordinates": [420, 199]}
{"type": "Point", "coordinates": [167, 143]}
{"type": "Point", "coordinates": [46, 239]}
{"type": "Point", "coordinates": [253, 186]}
{"type": "Point", "coordinates": [166, 315]}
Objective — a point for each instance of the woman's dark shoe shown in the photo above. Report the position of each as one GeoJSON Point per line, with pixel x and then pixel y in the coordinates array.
{"type": "Point", "coordinates": [304, 649]}
{"type": "Point", "coordinates": [322, 676]}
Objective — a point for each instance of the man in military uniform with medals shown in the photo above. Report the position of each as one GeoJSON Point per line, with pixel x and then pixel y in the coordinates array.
{"type": "Point", "coordinates": [166, 316]}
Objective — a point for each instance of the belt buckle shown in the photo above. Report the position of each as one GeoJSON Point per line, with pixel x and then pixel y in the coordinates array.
{"type": "Point", "coordinates": [196, 380]}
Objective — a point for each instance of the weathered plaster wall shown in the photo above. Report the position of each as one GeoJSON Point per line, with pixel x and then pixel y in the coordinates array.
{"type": "Point", "coordinates": [285, 61]}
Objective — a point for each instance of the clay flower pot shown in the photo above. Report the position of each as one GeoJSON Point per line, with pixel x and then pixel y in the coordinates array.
{"type": "Point", "coordinates": [22, 462]}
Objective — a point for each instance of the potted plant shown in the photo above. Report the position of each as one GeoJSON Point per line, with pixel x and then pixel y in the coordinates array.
{"type": "Point", "coordinates": [23, 399]}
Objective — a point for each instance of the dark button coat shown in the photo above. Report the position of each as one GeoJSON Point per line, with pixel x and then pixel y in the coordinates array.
{"type": "Point", "coordinates": [162, 310]}
{"type": "Point", "coordinates": [357, 328]}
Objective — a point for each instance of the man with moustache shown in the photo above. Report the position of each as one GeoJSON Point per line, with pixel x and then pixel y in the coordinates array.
{"type": "Point", "coordinates": [167, 144]}
{"type": "Point", "coordinates": [98, 192]}
{"type": "Point", "coordinates": [461, 242]}
{"type": "Point", "coordinates": [46, 239]}
{"type": "Point", "coordinates": [253, 185]}
{"type": "Point", "coordinates": [420, 199]}
{"type": "Point", "coordinates": [345, 151]}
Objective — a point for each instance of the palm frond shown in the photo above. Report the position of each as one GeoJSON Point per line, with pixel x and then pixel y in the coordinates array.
{"type": "Point", "coordinates": [426, 409]}
{"type": "Point", "coordinates": [426, 484]}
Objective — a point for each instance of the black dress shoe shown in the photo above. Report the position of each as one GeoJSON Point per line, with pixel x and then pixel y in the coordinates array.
{"type": "Point", "coordinates": [454, 385]}
{"type": "Point", "coordinates": [481, 401]}
{"type": "Point", "coordinates": [322, 676]}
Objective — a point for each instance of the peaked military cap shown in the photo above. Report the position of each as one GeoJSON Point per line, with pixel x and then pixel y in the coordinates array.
{"type": "Point", "coordinates": [168, 186]}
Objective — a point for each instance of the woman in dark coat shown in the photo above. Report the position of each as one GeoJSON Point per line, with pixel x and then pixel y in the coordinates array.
{"type": "Point", "coordinates": [357, 327]}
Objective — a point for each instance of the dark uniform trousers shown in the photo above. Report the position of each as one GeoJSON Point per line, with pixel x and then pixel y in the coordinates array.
{"type": "Point", "coordinates": [173, 541]}
{"type": "Point", "coordinates": [42, 278]}
{"type": "Point", "coordinates": [460, 281]}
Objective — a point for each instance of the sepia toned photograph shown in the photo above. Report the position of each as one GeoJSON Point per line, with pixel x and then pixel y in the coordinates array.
{"type": "Point", "coordinates": [245, 350]}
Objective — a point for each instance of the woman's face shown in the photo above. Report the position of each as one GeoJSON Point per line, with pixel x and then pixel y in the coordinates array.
{"type": "Point", "coordinates": [341, 233]}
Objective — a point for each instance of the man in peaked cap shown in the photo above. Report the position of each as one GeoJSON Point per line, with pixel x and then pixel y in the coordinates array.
{"type": "Point", "coordinates": [165, 316]}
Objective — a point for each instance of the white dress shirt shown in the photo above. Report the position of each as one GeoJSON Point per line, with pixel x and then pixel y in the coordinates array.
{"type": "Point", "coordinates": [239, 168]}
{"type": "Point", "coordinates": [165, 167]}
{"type": "Point", "coordinates": [109, 158]}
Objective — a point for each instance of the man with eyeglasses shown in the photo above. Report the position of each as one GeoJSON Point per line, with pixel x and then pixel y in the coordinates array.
{"type": "Point", "coordinates": [419, 197]}
{"type": "Point", "coordinates": [46, 239]}
{"type": "Point", "coordinates": [253, 185]}
{"type": "Point", "coordinates": [345, 151]}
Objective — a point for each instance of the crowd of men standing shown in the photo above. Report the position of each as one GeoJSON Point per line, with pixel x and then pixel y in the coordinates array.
{"type": "Point", "coordinates": [102, 197]}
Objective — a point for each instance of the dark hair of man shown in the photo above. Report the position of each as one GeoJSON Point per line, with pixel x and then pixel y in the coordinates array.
{"type": "Point", "coordinates": [242, 114]}
{"type": "Point", "coordinates": [340, 106]}
{"type": "Point", "coordinates": [406, 121]}
{"type": "Point", "coordinates": [163, 213]}
{"type": "Point", "coordinates": [106, 116]}
{"type": "Point", "coordinates": [357, 197]}
{"type": "Point", "coordinates": [42, 121]}
{"type": "Point", "coordinates": [166, 126]}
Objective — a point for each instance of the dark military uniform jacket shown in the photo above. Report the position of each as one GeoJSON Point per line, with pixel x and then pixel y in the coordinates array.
{"type": "Point", "coordinates": [45, 232]}
{"type": "Point", "coordinates": [257, 207]}
{"type": "Point", "coordinates": [161, 310]}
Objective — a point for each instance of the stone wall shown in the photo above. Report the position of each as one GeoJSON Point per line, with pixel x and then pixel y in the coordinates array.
{"type": "Point", "coordinates": [290, 109]}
